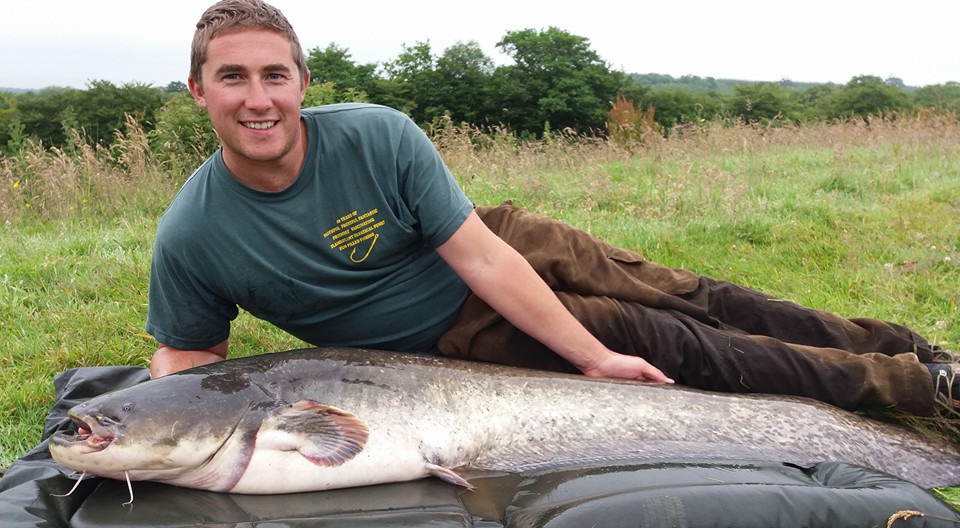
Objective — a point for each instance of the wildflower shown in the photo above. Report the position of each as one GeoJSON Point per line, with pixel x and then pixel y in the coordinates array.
{"type": "Point", "coordinates": [16, 184]}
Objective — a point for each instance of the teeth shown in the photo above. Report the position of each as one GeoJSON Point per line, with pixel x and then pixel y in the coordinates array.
{"type": "Point", "coordinates": [259, 125]}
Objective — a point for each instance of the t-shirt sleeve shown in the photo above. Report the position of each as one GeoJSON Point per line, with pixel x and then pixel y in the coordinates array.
{"type": "Point", "coordinates": [182, 312]}
{"type": "Point", "coordinates": [428, 188]}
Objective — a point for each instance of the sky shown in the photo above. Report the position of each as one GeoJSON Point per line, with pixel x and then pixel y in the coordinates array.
{"type": "Point", "coordinates": [72, 42]}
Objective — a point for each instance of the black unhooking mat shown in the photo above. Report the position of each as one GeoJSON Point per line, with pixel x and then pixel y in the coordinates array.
{"type": "Point", "coordinates": [671, 493]}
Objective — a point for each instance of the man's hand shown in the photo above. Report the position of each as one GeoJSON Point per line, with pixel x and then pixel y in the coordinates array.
{"type": "Point", "coordinates": [614, 365]}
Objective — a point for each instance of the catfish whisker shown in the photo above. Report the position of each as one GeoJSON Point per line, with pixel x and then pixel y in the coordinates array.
{"type": "Point", "coordinates": [129, 488]}
{"type": "Point", "coordinates": [74, 488]}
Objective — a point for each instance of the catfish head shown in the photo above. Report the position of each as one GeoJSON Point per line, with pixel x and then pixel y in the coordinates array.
{"type": "Point", "coordinates": [191, 430]}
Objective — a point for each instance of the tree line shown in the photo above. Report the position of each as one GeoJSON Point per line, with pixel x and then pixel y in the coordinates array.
{"type": "Point", "coordinates": [555, 81]}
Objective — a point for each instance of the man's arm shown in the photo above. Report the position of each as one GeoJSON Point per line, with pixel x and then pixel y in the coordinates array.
{"type": "Point", "coordinates": [500, 276]}
{"type": "Point", "coordinates": [167, 360]}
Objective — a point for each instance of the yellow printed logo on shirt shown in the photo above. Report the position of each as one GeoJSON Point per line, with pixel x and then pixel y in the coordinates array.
{"type": "Point", "coordinates": [356, 232]}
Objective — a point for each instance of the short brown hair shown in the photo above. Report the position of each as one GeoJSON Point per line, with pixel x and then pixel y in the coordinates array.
{"type": "Point", "coordinates": [241, 14]}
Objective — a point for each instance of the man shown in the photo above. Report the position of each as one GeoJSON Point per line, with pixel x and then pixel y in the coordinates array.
{"type": "Point", "coordinates": [342, 226]}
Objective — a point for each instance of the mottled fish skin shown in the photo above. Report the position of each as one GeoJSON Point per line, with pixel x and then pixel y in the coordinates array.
{"type": "Point", "coordinates": [328, 418]}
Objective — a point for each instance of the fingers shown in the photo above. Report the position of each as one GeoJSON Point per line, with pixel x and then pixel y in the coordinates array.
{"type": "Point", "coordinates": [629, 367]}
{"type": "Point", "coordinates": [655, 375]}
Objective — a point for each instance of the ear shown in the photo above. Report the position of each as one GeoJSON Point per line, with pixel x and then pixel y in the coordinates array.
{"type": "Point", "coordinates": [303, 87]}
{"type": "Point", "coordinates": [196, 90]}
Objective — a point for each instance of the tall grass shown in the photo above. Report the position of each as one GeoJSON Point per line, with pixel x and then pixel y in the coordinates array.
{"type": "Point", "coordinates": [858, 217]}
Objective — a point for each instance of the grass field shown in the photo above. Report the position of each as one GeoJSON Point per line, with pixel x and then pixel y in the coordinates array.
{"type": "Point", "coordinates": [858, 218]}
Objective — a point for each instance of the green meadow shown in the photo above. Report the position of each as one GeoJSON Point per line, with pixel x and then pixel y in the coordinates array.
{"type": "Point", "coordinates": [858, 217]}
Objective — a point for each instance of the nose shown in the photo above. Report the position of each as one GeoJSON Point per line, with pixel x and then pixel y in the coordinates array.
{"type": "Point", "coordinates": [258, 97]}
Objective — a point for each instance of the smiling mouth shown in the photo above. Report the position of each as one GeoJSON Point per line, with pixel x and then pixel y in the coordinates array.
{"type": "Point", "coordinates": [259, 125]}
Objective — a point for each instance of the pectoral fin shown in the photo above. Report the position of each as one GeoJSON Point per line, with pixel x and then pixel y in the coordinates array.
{"type": "Point", "coordinates": [448, 475]}
{"type": "Point", "coordinates": [325, 435]}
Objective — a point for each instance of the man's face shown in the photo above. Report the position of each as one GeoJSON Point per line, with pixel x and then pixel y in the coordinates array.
{"type": "Point", "coordinates": [252, 90]}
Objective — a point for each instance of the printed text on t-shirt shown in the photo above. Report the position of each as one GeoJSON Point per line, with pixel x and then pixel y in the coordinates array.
{"type": "Point", "coordinates": [354, 229]}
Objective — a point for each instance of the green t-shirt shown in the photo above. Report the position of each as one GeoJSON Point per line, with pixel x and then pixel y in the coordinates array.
{"type": "Point", "coordinates": [343, 257]}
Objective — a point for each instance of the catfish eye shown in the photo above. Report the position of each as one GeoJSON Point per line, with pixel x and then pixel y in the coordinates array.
{"type": "Point", "coordinates": [127, 407]}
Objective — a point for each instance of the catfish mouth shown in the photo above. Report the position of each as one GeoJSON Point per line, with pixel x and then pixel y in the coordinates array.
{"type": "Point", "coordinates": [93, 434]}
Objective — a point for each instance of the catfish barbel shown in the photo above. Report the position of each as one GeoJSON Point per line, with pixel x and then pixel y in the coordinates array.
{"type": "Point", "coordinates": [317, 419]}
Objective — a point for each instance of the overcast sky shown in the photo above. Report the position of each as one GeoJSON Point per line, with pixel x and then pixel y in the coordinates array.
{"type": "Point", "coordinates": [71, 42]}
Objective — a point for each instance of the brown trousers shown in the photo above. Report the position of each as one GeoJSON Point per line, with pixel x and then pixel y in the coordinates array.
{"type": "Point", "coordinates": [701, 332]}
